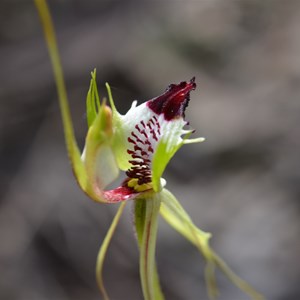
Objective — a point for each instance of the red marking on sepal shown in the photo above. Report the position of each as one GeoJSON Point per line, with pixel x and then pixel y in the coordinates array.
{"type": "Point", "coordinates": [119, 194]}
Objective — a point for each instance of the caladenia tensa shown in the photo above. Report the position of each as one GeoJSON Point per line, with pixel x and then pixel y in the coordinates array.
{"type": "Point", "coordinates": [140, 143]}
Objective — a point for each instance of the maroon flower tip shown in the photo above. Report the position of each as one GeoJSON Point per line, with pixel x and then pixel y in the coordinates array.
{"type": "Point", "coordinates": [173, 102]}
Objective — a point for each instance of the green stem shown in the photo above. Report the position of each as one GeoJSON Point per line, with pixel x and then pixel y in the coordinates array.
{"type": "Point", "coordinates": [146, 214]}
{"type": "Point", "coordinates": [49, 32]}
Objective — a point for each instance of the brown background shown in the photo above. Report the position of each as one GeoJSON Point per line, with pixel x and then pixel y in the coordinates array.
{"type": "Point", "coordinates": [242, 184]}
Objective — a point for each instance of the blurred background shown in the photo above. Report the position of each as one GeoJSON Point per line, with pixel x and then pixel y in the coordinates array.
{"type": "Point", "coordinates": [242, 184]}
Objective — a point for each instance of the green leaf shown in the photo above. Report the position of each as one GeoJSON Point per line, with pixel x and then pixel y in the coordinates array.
{"type": "Point", "coordinates": [103, 250]}
{"type": "Point", "coordinates": [146, 213]}
{"type": "Point", "coordinates": [176, 216]}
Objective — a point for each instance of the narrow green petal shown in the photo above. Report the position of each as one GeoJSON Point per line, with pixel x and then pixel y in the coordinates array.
{"type": "Point", "coordinates": [146, 214]}
{"type": "Point", "coordinates": [72, 148]}
{"type": "Point", "coordinates": [241, 284]}
{"type": "Point", "coordinates": [92, 100]}
{"type": "Point", "coordinates": [176, 216]}
{"type": "Point", "coordinates": [110, 98]}
{"type": "Point", "coordinates": [103, 250]}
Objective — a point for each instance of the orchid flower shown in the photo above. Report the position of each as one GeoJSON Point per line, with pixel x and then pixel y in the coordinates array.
{"type": "Point", "coordinates": [140, 143]}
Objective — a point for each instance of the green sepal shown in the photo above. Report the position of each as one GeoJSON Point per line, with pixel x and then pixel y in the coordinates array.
{"type": "Point", "coordinates": [99, 160]}
{"type": "Point", "coordinates": [146, 215]}
{"type": "Point", "coordinates": [175, 215]}
{"type": "Point", "coordinates": [119, 142]}
{"type": "Point", "coordinates": [103, 250]}
{"type": "Point", "coordinates": [92, 100]}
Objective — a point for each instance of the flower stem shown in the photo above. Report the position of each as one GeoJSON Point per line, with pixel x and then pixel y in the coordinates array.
{"type": "Point", "coordinates": [146, 214]}
{"type": "Point", "coordinates": [49, 33]}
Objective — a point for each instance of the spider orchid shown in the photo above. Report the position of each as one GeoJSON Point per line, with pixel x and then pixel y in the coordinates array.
{"type": "Point", "coordinates": [141, 143]}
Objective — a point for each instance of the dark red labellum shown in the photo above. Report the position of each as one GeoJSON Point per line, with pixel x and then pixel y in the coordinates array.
{"type": "Point", "coordinates": [173, 102]}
